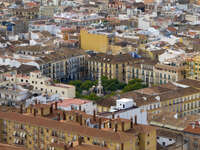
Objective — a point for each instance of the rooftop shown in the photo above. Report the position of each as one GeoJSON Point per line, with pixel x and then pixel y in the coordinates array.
{"type": "Point", "coordinates": [69, 102]}
{"type": "Point", "coordinates": [10, 147]}
{"type": "Point", "coordinates": [75, 129]}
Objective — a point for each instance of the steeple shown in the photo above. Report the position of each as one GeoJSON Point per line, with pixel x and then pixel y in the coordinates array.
{"type": "Point", "coordinates": [99, 86]}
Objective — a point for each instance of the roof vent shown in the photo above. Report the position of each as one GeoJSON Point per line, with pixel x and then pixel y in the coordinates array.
{"type": "Point", "coordinates": [157, 98]}
{"type": "Point", "coordinates": [145, 98]}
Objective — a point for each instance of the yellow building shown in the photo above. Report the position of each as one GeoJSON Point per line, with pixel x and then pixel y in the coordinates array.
{"type": "Point", "coordinates": [182, 97]}
{"type": "Point", "coordinates": [193, 69]}
{"type": "Point", "coordinates": [36, 132]}
{"type": "Point", "coordinates": [95, 41]}
{"type": "Point", "coordinates": [111, 66]}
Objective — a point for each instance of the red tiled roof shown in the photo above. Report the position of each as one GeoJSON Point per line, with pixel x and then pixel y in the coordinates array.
{"type": "Point", "coordinates": [69, 102]}
{"type": "Point", "coordinates": [193, 128]}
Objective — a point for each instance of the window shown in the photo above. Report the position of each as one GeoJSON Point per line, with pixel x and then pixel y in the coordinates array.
{"type": "Point", "coordinates": [160, 81]}
{"type": "Point", "coordinates": [74, 138]}
{"type": "Point", "coordinates": [164, 76]}
{"type": "Point", "coordinates": [163, 143]}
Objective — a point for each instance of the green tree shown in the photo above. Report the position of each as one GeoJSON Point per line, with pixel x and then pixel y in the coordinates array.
{"type": "Point", "coordinates": [92, 96]}
{"type": "Point", "coordinates": [134, 84]}
{"type": "Point", "coordinates": [112, 84]}
{"type": "Point", "coordinates": [86, 85]}
{"type": "Point", "coordinates": [77, 84]}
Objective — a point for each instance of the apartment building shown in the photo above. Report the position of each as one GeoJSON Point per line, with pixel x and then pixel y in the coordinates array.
{"type": "Point", "coordinates": [43, 84]}
{"type": "Point", "coordinates": [26, 13]}
{"type": "Point", "coordinates": [111, 66]}
{"type": "Point", "coordinates": [67, 64]}
{"type": "Point", "coordinates": [155, 72]}
{"type": "Point", "coordinates": [182, 97]}
{"type": "Point", "coordinates": [37, 132]}
{"type": "Point", "coordinates": [170, 69]}
{"type": "Point", "coordinates": [78, 18]}
{"type": "Point", "coordinates": [97, 41]}
{"type": "Point", "coordinates": [46, 12]}
{"type": "Point", "coordinates": [142, 69]}
{"type": "Point", "coordinates": [193, 69]}
{"type": "Point", "coordinates": [192, 135]}
{"type": "Point", "coordinates": [13, 95]}
{"type": "Point", "coordinates": [168, 73]}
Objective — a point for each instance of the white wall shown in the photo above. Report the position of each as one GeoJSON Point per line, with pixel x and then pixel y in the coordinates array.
{"type": "Point", "coordinates": [143, 23]}
{"type": "Point", "coordinates": [139, 112]}
{"type": "Point", "coordinates": [167, 141]}
{"type": "Point", "coordinates": [88, 107]}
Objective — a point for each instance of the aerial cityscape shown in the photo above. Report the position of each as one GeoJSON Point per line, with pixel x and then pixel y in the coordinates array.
{"type": "Point", "coordinates": [99, 74]}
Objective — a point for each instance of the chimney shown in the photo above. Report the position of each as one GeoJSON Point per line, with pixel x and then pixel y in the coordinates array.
{"type": "Point", "coordinates": [94, 115]}
{"type": "Point", "coordinates": [51, 109]}
{"type": "Point", "coordinates": [42, 111]}
{"type": "Point", "coordinates": [113, 116]}
{"type": "Point", "coordinates": [122, 146]}
{"type": "Point", "coordinates": [85, 122]}
{"type": "Point", "coordinates": [65, 147]}
{"type": "Point", "coordinates": [64, 116]}
{"type": "Point", "coordinates": [81, 120]}
{"type": "Point", "coordinates": [34, 112]}
{"type": "Point", "coordinates": [104, 125]}
{"type": "Point", "coordinates": [116, 126]}
{"type": "Point", "coordinates": [122, 125]}
{"type": "Point", "coordinates": [80, 140]}
{"type": "Point", "coordinates": [79, 107]}
{"type": "Point", "coordinates": [135, 119]}
{"type": "Point", "coordinates": [100, 123]}
{"type": "Point", "coordinates": [56, 105]}
{"type": "Point", "coordinates": [58, 115]}
{"type": "Point", "coordinates": [31, 109]}
{"type": "Point", "coordinates": [76, 117]}
{"type": "Point", "coordinates": [131, 122]}
{"type": "Point", "coordinates": [21, 108]}
{"type": "Point", "coordinates": [110, 123]}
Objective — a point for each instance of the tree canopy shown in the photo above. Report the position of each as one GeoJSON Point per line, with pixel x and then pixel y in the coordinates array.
{"type": "Point", "coordinates": [110, 87]}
